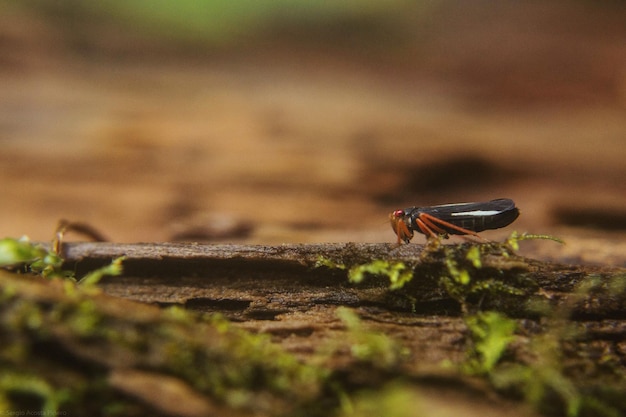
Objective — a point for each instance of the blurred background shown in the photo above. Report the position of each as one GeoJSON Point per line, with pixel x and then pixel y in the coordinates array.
{"type": "Point", "coordinates": [308, 121]}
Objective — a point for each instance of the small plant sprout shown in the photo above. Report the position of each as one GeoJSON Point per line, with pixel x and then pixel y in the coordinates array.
{"type": "Point", "coordinates": [48, 263]}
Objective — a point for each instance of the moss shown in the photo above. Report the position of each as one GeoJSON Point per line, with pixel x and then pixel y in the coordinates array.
{"type": "Point", "coordinates": [113, 269]}
{"type": "Point", "coordinates": [64, 341]}
{"type": "Point", "coordinates": [323, 261]}
{"type": "Point", "coordinates": [490, 335]}
{"type": "Point", "coordinates": [48, 327]}
{"type": "Point", "coordinates": [549, 366]}
{"type": "Point", "coordinates": [475, 275]}
{"type": "Point", "coordinates": [546, 369]}
{"type": "Point", "coordinates": [21, 254]}
{"type": "Point", "coordinates": [394, 400]}
{"type": "Point", "coordinates": [227, 363]}
{"type": "Point", "coordinates": [512, 242]}
{"type": "Point", "coordinates": [370, 346]}
{"type": "Point", "coordinates": [398, 273]}
{"type": "Point", "coordinates": [18, 251]}
{"type": "Point", "coordinates": [28, 390]}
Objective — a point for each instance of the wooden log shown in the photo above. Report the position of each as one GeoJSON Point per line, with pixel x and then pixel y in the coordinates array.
{"type": "Point", "coordinates": [251, 278]}
{"type": "Point", "coordinates": [282, 291]}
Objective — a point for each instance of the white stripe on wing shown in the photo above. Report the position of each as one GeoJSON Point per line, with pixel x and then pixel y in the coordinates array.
{"type": "Point", "coordinates": [476, 213]}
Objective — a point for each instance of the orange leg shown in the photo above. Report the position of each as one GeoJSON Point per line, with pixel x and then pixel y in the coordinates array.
{"type": "Point", "coordinates": [431, 220]}
{"type": "Point", "coordinates": [433, 226]}
{"type": "Point", "coordinates": [424, 228]}
{"type": "Point", "coordinates": [402, 231]}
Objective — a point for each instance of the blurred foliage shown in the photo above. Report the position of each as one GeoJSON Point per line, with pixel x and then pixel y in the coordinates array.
{"type": "Point", "coordinates": [490, 333]}
{"type": "Point", "coordinates": [212, 20]}
{"type": "Point", "coordinates": [370, 346]}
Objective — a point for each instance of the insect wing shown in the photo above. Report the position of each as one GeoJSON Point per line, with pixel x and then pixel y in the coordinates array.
{"type": "Point", "coordinates": [458, 210]}
{"type": "Point", "coordinates": [476, 216]}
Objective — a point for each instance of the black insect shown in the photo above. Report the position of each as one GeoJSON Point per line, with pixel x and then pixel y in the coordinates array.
{"type": "Point", "coordinates": [453, 219]}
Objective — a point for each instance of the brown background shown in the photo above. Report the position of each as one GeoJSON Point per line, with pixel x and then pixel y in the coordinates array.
{"type": "Point", "coordinates": [313, 130]}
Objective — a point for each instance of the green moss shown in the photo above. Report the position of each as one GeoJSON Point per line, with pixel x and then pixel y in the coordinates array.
{"type": "Point", "coordinates": [367, 345]}
{"type": "Point", "coordinates": [323, 261]}
{"type": "Point", "coordinates": [398, 273]}
{"type": "Point", "coordinates": [542, 381]}
{"type": "Point", "coordinates": [513, 240]}
{"type": "Point", "coordinates": [84, 319]}
{"type": "Point", "coordinates": [230, 365]}
{"type": "Point", "coordinates": [490, 334]}
{"type": "Point", "coordinates": [545, 369]}
{"type": "Point", "coordinates": [113, 269]}
{"type": "Point", "coordinates": [18, 251]}
{"type": "Point", "coordinates": [247, 372]}
{"type": "Point", "coordinates": [15, 253]}
{"type": "Point", "coordinates": [541, 366]}
{"type": "Point", "coordinates": [32, 390]}
{"type": "Point", "coordinates": [473, 274]}
{"type": "Point", "coordinates": [393, 400]}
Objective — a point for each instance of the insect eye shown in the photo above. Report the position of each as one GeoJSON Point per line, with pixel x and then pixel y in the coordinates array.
{"type": "Point", "coordinates": [398, 213]}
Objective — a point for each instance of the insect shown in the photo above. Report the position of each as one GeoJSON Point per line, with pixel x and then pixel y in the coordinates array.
{"type": "Point", "coordinates": [453, 219]}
